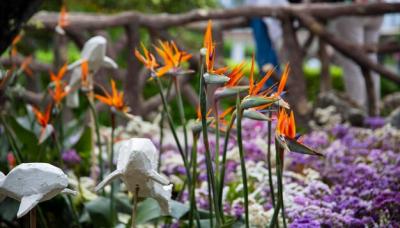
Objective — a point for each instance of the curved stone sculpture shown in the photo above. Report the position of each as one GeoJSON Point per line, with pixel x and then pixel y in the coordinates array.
{"type": "Point", "coordinates": [137, 165]}
{"type": "Point", "coordinates": [94, 52]}
{"type": "Point", "coordinates": [32, 183]}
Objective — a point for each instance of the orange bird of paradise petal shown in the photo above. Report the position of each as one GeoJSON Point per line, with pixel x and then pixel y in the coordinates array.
{"type": "Point", "coordinates": [84, 72]}
{"type": "Point", "coordinates": [63, 18]}
{"type": "Point", "coordinates": [198, 111]}
{"type": "Point", "coordinates": [283, 80]}
{"type": "Point", "coordinates": [16, 39]}
{"type": "Point", "coordinates": [286, 125]}
{"type": "Point", "coordinates": [59, 75]}
{"type": "Point", "coordinates": [251, 78]}
{"type": "Point", "coordinates": [25, 66]}
{"type": "Point", "coordinates": [235, 75]}
{"type": "Point", "coordinates": [148, 59]}
{"type": "Point", "coordinates": [42, 118]}
{"type": "Point", "coordinates": [209, 45]}
{"type": "Point", "coordinates": [171, 55]}
{"type": "Point", "coordinates": [115, 99]}
{"type": "Point", "coordinates": [58, 93]}
{"type": "Point", "coordinates": [260, 84]}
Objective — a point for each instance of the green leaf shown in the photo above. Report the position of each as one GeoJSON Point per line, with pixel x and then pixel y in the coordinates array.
{"type": "Point", "coordinates": [73, 131]}
{"type": "Point", "coordinates": [215, 79]}
{"type": "Point", "coordinates": [26, 140]}
{"type": "Point", "coordinates": [149, 209]}
{"type": "Point", "coordinates": [178, 209]}
{"type": "Point", "coordinates": [297, 147]}
{"type": "Point", "coordinates": [8, 209]}
{"type": "Point", "coordinates": [255, 115]}
{"type": "Point", "coordinates": [255, 101]}
{"type": "Point", "coordinates": [229, 91]}
{"type": "Point", "coordinates": [99, 212]}
{"type": "Point", "coordinates": [84, 148]}
{"type": "Point", "coordinates": [46, 133]}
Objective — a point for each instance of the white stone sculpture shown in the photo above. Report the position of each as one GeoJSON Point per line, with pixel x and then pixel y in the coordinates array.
{"type": "Point", "coordinates": [32, 183]}
{"type": "Point", "coordinates": [136, 166]}
{"type": "Point", "coordinates": [94, 52]}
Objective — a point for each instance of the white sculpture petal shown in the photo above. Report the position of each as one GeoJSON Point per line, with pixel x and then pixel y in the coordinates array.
{"type": "Point", "coordinates": [108, 179]}
{"type": "Point", "coordinates": [27, 203]}
{"type": "Point", "coordinates": [32, 183]}
{"type": "Point", "coordinates": [94, 52]}
{"type": "Point", "coordinates": [136, 166]}
{"type": "Point", "coordinates": [109, 63]}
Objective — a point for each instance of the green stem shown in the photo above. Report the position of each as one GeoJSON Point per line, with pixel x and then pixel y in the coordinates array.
{"type": "Point", "coordinates": [111, 167]}
{"type": "Point", "coordinates": [216, 154]}
{"type": "Point", "coordinates": [162, 128]}
{"type": "Point", "coordinates": [181, 114]}
{"type": "Point", "coordinates": [10, 138]}
{"type": "Point", "coordinates": [223, 165]}
{"type": "Point", "coordinates": [61, 130]}
{"type": "Point", "coordinates": [242, 160]}
{"type": "Point", "coordinates": [73, 212]}
{"type": "Point", "coordinates": [58, 147]}
{"type": "Point", "coordinates": [192, 188]}
{"type": "Point", "coordinates": [271, 185]}
{"type": "Point", "coordinates": [171, 124]}
{"type": "Point", "coordinates": [280, 182]}
{"type": "Point", "coordinates": [42, 219]}
{"type": "Point", "coordinates": [98, 138]}
{"type": "Point", "coordinates": [210, 172]}
{"type": "Point", "coordinates": [274, 220]}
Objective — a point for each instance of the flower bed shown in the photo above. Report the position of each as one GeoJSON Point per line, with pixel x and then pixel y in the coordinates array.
{"type": "Point", "coordinates": [356, 184]}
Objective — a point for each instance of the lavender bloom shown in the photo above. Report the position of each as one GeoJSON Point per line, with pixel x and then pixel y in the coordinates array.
{"type": "Point", "coordinates": [374, 122]}
{"type": "Point", "coordinates": [356, 184]}
{"type": "Point", "coordinates": [71, 158]}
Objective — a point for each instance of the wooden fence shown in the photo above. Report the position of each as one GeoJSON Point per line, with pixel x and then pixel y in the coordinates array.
{"type": "Point", "coordinates": [312, 17]}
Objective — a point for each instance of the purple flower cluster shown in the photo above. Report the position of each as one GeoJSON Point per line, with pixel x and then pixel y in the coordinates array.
{"type": "Point", "coordinates": [355, 184]}
{"type": "Point", "coordinates": [361, 168]}
{"type": "Point", "coordinates": [71, 157]}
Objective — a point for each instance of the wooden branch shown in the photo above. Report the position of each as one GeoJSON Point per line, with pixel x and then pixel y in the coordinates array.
{"type": "Point", "coordinates": [296, 81]}
{"type": "Point", "coordinates": [163, 21]}
{"type": "Point", "coordinates": [384, 48]}
{"type": "Point", "coordinates": [350, 50]}
{"type": "Point", "coordinates": [131, 86]}
{"type": "Point", "coordinates": [325, 84]}
{"type": "Point", "coordinates": [34, 65]}
{"type": "Point", "coordinates": [369, 88]}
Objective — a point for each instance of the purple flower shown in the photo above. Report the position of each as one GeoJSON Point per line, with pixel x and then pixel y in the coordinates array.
{"type": "Point", "coordinates": [374, 122]}
{"type": "Point", "coordinates": [71, 158]}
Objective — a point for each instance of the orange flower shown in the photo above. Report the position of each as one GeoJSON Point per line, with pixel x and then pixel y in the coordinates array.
{"type": "Point", "coordinates": [63, 18]}
{"type": "Point", "coordinates": [209, 45]}
{"type": "Point", "coordinates": [84, 72]}
{"type": "Point", "coordinates": [235, 75]}
{"type": "Point", "coordinates": [25, 66]}
{"type": "Point", "coordinates": [198, 111]}
{"type": "Point", "coordinates": [147, 58]}
{"type": "Point", "coordinates": [43, 118]}
{"type": "Point", "coordinates": [16, 39]}
{"type": "Point", "coordinates": [283, 81]}
{"type": "Point", "coordinates": [171, 55]}
{"type": "Point", "coordinates": [59, 75]}
{"type": "Point", "coordinates": [286, 125]}
{"type": "Point", "coordinates": [14, 43]}
{"type": "Point", "coordinates": [255, 89]}
{"type": "Point", "coordinates": [116, 99]}
{"type": "Point", "coordinates": [59, 92]}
